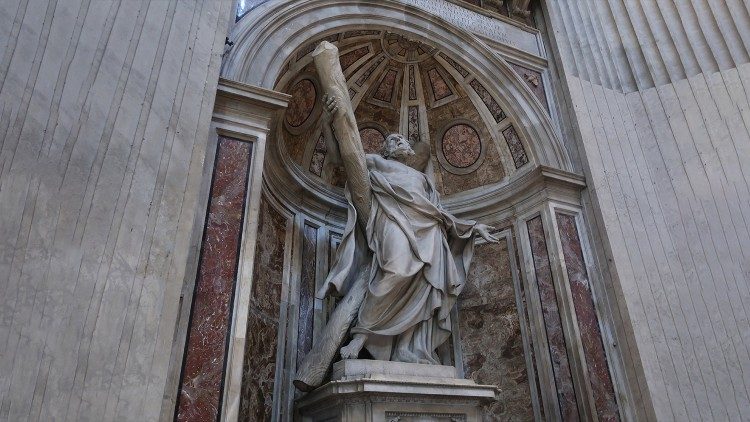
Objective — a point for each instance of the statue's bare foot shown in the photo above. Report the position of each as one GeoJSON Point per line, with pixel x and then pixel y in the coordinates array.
{"type": "Point", "coordinates": [405, 355]}
{"type": "Point", "coordinates": [351, 350]}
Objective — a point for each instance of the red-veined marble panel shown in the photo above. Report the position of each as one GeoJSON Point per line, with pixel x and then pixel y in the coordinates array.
{"type": "Point", "coordinates": [440, 88]}
{"type": "Point", "coordinates": [349, 58]}
{"type": "Point", "coordinates": [497, 112]}
{"type": "Point", "coordinates": [588, 323]}
{"type": "Point", "coordinates": [319, 156]}
{"type": "Point", "coordinates": [455, 65]}
{"type": "Point", "coordinates": [413, 124]}
{"type": "Point", "coordinates": [302, 103]}
{"type": "Point", "coordinates": [259, 362]}
{"type": "Point", "coordinates": [366, 75]}
{"type": "Point", "coordinates": [201, 381]}
{"type": "Point", "coordinates": [490, 328]}
{"type": "Point", "coordinates": [372, 140]}
{"type": "Point", "coordinates": [533, 80]}
{"type": "Point", "coordinates": [359, 33]}
{"type": "Point", "coordinates": [385, 89]}
{"type": "Point", "coordinates": [515, 146]}
{"type": "Point", "coordinates": [412, 84]}
{"type": "Point", "coordinates": [552, 322]}
{"type": "Point", "coordinates": [461, 145]}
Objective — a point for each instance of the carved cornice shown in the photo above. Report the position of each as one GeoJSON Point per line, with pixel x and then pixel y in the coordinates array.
{"type": "Point", "coordinates": [247, 106]}
{"type": "Point", "coordinates": [502, 202]}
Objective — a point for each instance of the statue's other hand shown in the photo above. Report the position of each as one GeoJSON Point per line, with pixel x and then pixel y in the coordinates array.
{"type": "Point", "coordinates": [484, 231]}
{"type": "Point", "coordinates": [330, 107]}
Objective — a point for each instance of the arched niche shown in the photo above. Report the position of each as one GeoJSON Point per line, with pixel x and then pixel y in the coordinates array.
{"type": "Point", "coordinates": [268, 35]}
{"type": "Point", "coordinates": [527, 204]}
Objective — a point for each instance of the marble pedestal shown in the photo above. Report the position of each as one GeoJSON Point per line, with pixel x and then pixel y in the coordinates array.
{"type": "Point", "coordinates": [368, 390]}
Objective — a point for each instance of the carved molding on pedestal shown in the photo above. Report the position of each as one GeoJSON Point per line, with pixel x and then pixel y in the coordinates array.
{"type": "Point", "coordinates": [378, 390]}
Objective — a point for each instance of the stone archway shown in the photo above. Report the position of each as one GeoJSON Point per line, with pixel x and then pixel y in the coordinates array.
{"type": "Point", "coordinates": [537, 208]}
{"type": "Point", "coordinates": [270, 33]}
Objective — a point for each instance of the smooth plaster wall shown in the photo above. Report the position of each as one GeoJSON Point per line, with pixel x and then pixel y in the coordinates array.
{"type": "Point", "coordinates": [104, 117]}
{"type": "Point", "coordinates": [658, 93]}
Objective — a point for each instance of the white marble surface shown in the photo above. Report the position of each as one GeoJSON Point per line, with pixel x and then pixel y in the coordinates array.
{"type": "Point", "coordinates": [658, 100]}
{"type": "Point", "coordinates": [104, 117]}
{"type": "Point", "coordinates": [359, 368]}
{"type": "Point", "coordinates": [380, 391]}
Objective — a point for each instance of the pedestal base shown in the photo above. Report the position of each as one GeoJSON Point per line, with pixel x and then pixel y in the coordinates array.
{"type": "Point", "coordinates": [367, 390]}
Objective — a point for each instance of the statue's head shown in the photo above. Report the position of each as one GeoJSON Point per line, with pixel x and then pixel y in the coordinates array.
{"type": "Point", "coordinates": [397, 147]}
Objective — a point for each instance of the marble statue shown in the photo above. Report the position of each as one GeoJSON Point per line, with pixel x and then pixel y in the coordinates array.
{"type": "Point", "coordinates": [403, 254]}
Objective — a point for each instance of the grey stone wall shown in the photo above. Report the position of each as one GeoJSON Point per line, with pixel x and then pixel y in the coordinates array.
{"type": "Point", "coordinates": [657, 94]}
{"type": "Point", "coordinates": [104, 117]}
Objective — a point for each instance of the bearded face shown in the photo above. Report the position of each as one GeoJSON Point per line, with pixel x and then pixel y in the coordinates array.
{"type": "Point", "coordinates": [397, 147]}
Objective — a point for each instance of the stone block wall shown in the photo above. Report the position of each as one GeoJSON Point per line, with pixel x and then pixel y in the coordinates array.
{"type": "Point", "coordinates": [104, 116]}
{"type": "Point", "coordinates": [657, 97]}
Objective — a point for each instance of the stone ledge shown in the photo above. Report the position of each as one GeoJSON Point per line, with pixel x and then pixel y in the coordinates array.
{"type": "Point", "coordinates": [364, 368]}
{"type": "Point", "coordinates": [367, 390]}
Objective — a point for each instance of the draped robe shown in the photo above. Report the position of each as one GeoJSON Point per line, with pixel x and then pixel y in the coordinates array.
{"type": "Point", "coordinates": [417, 256]}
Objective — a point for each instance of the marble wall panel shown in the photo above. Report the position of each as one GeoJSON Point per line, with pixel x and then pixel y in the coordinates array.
{"type": "Point", "coordinates": [372, 140]}
{"type": "Point", "coordinates": [370, 70]}
{"type": "Point", "coordinates": [552, 321]}
{"type": "Point", "coordinates": [412, 84]}
{"type": "Point", "coordinates": [490, 328]}
{"type": "Point", "coordinates": [349, 58]}
{"type": "Point", "coordinates": [386, 87]}
{"type": "Point", "coordinates": [491, 170]}
{"type": "Point", "coordinates": [533, 80]}
{"type": "Point", "coordinates": [488, 100]}
{"type": "Point", "coordinates": [307, 291]}
{"type": "Point", "coordinates": [455, 65]}
{"type": "Point", "coordinates": [202, 377]}
{"type": "Point", "coordinates": [588, 323]}
{"type": "Point", "coordinates": [440, 88]}
{"type": "Point", "coordinates": [461, 145]}
{"type": "Point", "coordinates": [319, 156]}
{"type": "Point", "coordinates": [413, 125]}
{"type": "Point", "coordinates": [302, 103]}
{"type": "Point", "coordinates": [515, 146]}
{"type": "Point", "coordinates": [359, 33]}
{"type": "Point", "coordinates": [259, 363]}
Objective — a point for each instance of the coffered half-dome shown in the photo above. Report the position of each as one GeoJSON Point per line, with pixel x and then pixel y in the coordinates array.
{"type": "Point", "coordinates": [400, 85]}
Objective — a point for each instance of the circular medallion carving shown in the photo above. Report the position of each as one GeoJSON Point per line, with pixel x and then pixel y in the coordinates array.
{"type": "Point", "coordinates": [461, 146]}
{"type": "Point", "coordinates": [302, 103]}
{"type": "Point", "coordinates": [372, 140]}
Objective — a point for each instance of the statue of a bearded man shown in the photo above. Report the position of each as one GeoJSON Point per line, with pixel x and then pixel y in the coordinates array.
{"type": "Point", "coordinates": [403, 259]}
{"type": "Point", "coordinates": [418, 257]}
